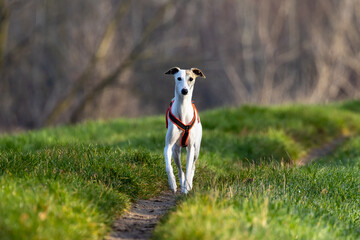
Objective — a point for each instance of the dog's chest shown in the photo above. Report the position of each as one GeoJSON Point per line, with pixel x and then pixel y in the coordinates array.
{"type": "Point", "coordinates": [185, 127]}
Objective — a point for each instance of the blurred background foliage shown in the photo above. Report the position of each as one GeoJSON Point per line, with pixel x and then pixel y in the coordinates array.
{"type": "Point", "coordinates": [66, 61]}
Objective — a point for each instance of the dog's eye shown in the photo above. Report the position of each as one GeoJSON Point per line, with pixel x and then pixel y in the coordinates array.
{"type": "Point", "coordinates": [179, 78]}
{"type": "Point", "coordinates": [190, 79]}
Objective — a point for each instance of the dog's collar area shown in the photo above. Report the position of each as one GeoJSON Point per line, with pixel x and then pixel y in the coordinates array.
{"type": "Point", "coordinates": [185, 128]}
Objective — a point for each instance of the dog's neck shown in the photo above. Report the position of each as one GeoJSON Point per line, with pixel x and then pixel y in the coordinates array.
{"type": "Point", "coordinates": [182, 108]}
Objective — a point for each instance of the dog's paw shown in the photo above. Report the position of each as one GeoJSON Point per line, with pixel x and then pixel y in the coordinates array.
{"type": "Point", "coordinates": [173, 188]}
{"type": "Point", "coordinates": [185, 190]}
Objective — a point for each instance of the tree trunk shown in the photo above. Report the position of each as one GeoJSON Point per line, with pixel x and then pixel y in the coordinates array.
{"type": "Point", "coordinates": [4, 26]}
{"type": "Point", "coordinates": [100, 53]}
{"type": "Point", "coordinates": [129, 61]}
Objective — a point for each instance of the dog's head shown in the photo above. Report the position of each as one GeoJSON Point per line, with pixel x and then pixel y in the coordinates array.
{"type": "Point", "coordinates": [185, 79]}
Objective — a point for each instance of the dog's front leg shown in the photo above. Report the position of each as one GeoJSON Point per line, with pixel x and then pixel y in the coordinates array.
{"type": "Point", "coordinates": [177, 159]}
{"type": "Point", "coordinates": [169, 168]}
{"type": "Point", "coordinates": [189, 168]}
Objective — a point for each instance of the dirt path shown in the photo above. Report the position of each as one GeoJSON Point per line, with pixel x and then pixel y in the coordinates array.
{"type": "Point", "coordinates": [142, 218]}
{"type": "Point", "coordinates": [321, 151]}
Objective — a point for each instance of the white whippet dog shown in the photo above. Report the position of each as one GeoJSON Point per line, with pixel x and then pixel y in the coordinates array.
{"type": "Point", "coordinates": [184, 128]}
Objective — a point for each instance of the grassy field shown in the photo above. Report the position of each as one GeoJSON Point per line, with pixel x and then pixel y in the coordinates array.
{"type": "Point", "coordinates": [320, 201]}
{"type": "Point", "coordinates": [278, 201]}
{"type": "Point", "coordinates": [71, 182]}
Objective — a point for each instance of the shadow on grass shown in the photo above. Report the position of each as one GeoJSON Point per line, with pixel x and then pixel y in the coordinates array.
{"type": "Point", "coordinates": [353, 106]}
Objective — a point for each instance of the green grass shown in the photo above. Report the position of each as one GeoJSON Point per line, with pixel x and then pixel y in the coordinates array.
{"type": "Point", "coordinates": [87, 185]}
{"type": "Point", "coordinates": [320, 201]}
{"type": "Point", "coordinates": [71, 182]}
{"type": "Point", "coordinates": [278, 201]}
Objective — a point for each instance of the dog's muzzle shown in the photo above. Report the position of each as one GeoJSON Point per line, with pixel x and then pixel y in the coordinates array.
{"type": "Point", "coordinates": [184, 91]}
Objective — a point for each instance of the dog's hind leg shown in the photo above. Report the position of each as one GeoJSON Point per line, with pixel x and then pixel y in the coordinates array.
{"type": "Point", "coordinates": [177, 160]}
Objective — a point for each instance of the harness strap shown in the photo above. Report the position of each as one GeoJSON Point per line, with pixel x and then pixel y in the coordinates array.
{"type": "Point", "coordinates": [185, 128]}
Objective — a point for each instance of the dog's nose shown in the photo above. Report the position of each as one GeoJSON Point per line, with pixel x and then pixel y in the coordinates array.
{"type": "Point", "coordinates": [184, 91]}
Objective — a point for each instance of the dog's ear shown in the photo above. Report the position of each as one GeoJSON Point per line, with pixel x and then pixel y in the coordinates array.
{"type": "Point", "coordinates": [198, 72]}
{"type": "Point", "coordinates": [173, 70]}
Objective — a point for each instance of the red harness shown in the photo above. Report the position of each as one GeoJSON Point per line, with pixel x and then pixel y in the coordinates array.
{"type": "Point", "coordinates": [185, 128]}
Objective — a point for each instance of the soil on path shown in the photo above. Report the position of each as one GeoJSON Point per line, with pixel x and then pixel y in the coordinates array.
{"type": "Point", "coordinates": [142, 218]}
{"type": "Point", "coordinates": [321, 151]}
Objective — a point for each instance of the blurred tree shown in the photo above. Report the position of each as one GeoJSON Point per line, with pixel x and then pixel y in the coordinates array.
{"type": "Point", "coordinates": [131, 59]}
{"type": "Point", "coordinates": [4, 26]}
{"type": "Point", "coordinates": [59, 58]}
{"type": "Point", "coordinates": [85, 76]}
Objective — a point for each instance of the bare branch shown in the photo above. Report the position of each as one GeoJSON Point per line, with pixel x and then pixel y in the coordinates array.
{"type": "Point", "coordinates": [4, 26]}
{"type": "Point", "coordinates": [102, 49]}
{"type": "Point", "coordinates": [130, 60]}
